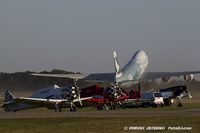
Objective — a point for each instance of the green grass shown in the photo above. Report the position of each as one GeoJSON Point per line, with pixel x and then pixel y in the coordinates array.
{"type": "Point", "coordinates": [173, 107]}
{"type": "Point", "coordinates": [91, 125]}
{"type": "Point", "coordinates": [100, 125]}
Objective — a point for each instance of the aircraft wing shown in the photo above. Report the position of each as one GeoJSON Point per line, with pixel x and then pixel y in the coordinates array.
{"type": "Point", "coordinates": [156, 75]}
{"type": "Point", "coordinates": [40, 102]}
{"type": "Point", "coordinates": [95, 77]}
{"type": "Point", "coordinates": [73, 76]}
{"type": "Point", "coordinates": [110, 77]}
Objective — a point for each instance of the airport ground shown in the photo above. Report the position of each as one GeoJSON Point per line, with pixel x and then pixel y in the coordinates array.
{"type": "Point", "coordinates": [97, 125]}
{"type": "Point", "coordinates": [90, 120]}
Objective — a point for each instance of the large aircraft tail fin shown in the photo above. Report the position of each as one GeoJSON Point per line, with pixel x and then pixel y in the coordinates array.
{"type": "Point", "coordinates": [118, 71]}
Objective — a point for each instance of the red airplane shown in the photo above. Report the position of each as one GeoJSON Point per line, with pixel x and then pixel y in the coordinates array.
{"type": "Point", "coordinates": [108, 96]}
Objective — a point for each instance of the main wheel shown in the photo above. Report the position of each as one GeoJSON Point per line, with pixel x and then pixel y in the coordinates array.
{"type": "Point", "coordinates": [179, 105]}
{"type": "Point", "coordinates": [73, 109]}
{"type": "Point", "coordinates": [167, 102]}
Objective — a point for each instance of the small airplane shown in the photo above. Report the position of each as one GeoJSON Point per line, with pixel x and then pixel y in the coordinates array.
{"type": "Point", "coordinates": [53, 97]}
{"type": "Point", "coordinates": [104, 97]}
{"type": "Point", "coordinates": [175, 93]}
{"type": "Point", "coordinates": [132, 73]}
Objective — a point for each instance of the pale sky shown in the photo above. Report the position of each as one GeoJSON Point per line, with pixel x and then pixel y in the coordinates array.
{"type": "Point", "coordinates": [80, 35]}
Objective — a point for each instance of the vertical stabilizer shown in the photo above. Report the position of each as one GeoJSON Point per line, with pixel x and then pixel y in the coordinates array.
{"type": "Point", "coordinates": [133, 70]}
{"type": "Point", "coordinates": [9, 97]}
{"type": "Point", "coordinates": [118, 71]}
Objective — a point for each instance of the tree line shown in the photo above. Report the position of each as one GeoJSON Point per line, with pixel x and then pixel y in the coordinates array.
{"type": "Point", "coordinates": [26, 82]}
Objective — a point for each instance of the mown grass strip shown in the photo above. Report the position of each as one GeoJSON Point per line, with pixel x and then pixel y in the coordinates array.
{"type": "Point", "coordinates": [91, 125]}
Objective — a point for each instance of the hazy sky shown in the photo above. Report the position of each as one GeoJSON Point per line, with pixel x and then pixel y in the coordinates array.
{"type": "Point", "coordinates": [81, 35]}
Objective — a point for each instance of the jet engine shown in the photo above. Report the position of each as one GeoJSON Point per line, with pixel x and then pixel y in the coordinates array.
{"type": "Point", "coordinates": [189, 77]}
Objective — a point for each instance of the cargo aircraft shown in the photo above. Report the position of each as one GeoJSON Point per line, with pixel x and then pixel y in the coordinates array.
{"type": "Point", "coordinates": [132, 73]}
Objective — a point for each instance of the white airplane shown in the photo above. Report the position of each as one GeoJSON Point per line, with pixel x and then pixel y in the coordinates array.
{"type": "Point", "coordinates": [52, 97]}
{"type": "Point", "coordinates": [132, 73]}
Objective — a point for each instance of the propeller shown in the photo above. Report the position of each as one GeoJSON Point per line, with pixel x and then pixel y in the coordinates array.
{"type": "Point", "coordinates": [113, 92]}
{"type": "Point", "coordinates": [190, 96]}
{"type": "Point", "coordinates": [79, 98]}
{"type": "Point", "coordinates": [78, 91]}
{"type": "Point", "coordinates": [71, 93]}
{"type": "Point", "coordinates": [188, 93]}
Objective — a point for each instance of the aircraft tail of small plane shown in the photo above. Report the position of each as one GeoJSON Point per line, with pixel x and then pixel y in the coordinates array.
{"type": "Point", "coordinates": [9, 98]}
{"type": "Point", "coordinates": [11, 105]}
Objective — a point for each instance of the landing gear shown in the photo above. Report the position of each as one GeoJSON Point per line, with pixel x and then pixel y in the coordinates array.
{"type": "Point", "coordinates": [179, 104]}
{"type": "Point", "coordinates": [6, 109]}
{"type": "Point", "coordinates": [57, 108]}
{"type": "Point", "coordinates": [145, 104]}
{"type": "Point", "coordinates": [113, 106]}
{"type": "Point", "coordinates": [72, 108]}
{"type": "Point", "coordinates": [102, 107]}
{"type": "Point", "coordinates": [167, 101]}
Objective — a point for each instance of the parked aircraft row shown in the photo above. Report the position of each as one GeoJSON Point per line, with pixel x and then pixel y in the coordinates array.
{"type": "Point", "coordinates": [55, 97]}
{"type": "Point", "coordinates": [132, 73]}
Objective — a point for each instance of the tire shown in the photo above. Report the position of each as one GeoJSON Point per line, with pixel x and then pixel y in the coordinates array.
{"type": "Point", "coordinates": [180, 105]}
{"type": "Point", "coordinates": [72, 109]}
{"type": "Point", "coordinates": [167, 102]}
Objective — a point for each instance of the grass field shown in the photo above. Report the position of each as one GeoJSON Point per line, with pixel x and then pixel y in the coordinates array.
{"type": "Point", "coordinates": [97, 125]}
{"type": "Point", "coordinates": [101, 125]}
{"type": "Point", "coordinates": [173, 107]}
